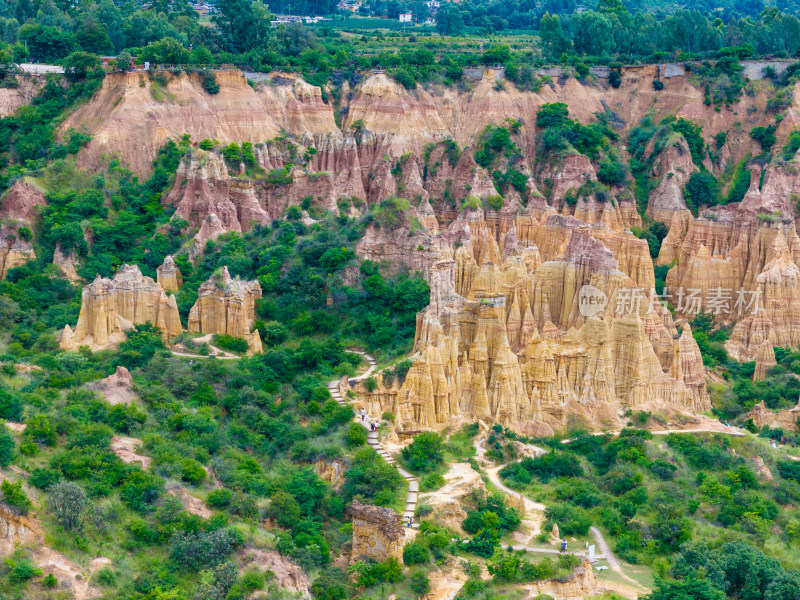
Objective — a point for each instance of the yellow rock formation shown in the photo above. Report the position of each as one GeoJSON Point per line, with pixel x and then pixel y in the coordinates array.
{"type": "Point", "coordinates": [111, 306]}
{"type": "Point", "coordinates": [169, 276]}
{"type": "Point", "coordinates": [509, 341]}
{"type": "Point", "coordinates": [227, 305]}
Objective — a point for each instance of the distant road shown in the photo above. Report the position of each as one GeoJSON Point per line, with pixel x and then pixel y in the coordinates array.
{"type": "Point", "coordinates": [40, 69]}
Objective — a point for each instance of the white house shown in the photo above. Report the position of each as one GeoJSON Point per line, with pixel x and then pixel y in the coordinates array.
{"type": "Point", "coordinates": [405, 17]}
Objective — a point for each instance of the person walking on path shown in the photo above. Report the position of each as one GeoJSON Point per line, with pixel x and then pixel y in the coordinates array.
{"type": "Point", "coordinates": [363, 414]}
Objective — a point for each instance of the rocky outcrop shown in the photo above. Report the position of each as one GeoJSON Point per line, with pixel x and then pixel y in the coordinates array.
{"type": "Point", "coordinates": [579, 584]}
{"type": "Point", "coordinates": [761, 469]}
{"type": "Point", "coordinates": [15, 250]}
{"type": "Point", "coordinates": [330, 471]}
{"type": "Point", "coordinates": [377, 532]}
{"type": "Point", "coordinates": [11, 98]}
{"type": "Point", "coordinates": [168, 276]}
{"type": "Point", "coordinates": [69, 575]}
{"type": "Point", "coordinates": [210, 230]}
{"type": "Point", "coordinates": [765, 360]}
{"type": "Point", "coordinates": [203, 187]}
{"type": "Point", "coordinates": [191, 504]}
{"type": "Point", "coordinates": [16, 529]}
{"type": "Point", "coordinates": [21, 203]}
{"type": "Point", "coordinates": [117, 388]}
{"type": "Point", "coordinates": [288, 575]}
{"type": "Point", "coordinates": [109, 307]}
{"type": "Point", "coordinates": [461, 481]}
{"type": "Point", "coordinates": [674, 167]}
{"type": "Point", "coordinates": [126, 449]}
{"type": "Point", "coordinates": [512, 342]}
{"type": "Point", "coordinates": [67, 263]}
{"type": "Point", "coordinates": [783, 419]}
{"type": "Point", "coordinates": [227, 305]}
{"type": "Point", "coordinates": [18, 212]}
{"type": "Point", "coordinates": [741, 267]}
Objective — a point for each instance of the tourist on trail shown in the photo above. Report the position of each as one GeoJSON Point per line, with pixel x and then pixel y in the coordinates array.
{"type": "Point", "coordinates": [363, 414]}
{"type": "Point", "coordinates": [563, 545]}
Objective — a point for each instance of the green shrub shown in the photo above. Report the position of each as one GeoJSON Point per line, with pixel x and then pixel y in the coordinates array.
{"type": "Point", "coordinates": [419, 584]}
{"type": "Point", "coordinates": [431, 481]}
{"type": "Point", "coordinates": [7, 446]}
{"type": "Point", "coordinates": [764, 136]}
{"type": "Point", "coordinates": [15, 496]}
{"type": "Point", "coordinates": [701, 190]}
{"type": "Point", "coordinates": [21, 571]}
{"type": "Point", "coordinates": [792, 145]}
{"type": "Point", "coordinates": [611, 171]}
{"type": "Point", "coordinates": [546, 467]}
{"type": "Point", "coordinates": [356, 436]}
{"type": "Point", "coordinates": [210, 84]}
{"type": "Point", "coordinates": [141, 490]}
{"type": "Point", "coordinates": [571, 520]}
{"type": "Point", "coordinates": [106, 577]}
{"type": "Point", "coordinates": [691, 132]}
{"type": "Point", "coordinates": [225, 341]}
{"type": "Point", "coordinates": [425, 453]}
{"type": "Point", "coordinates": [416, 553]}
{"type": "Point", "coordinates": [192, 471]}
{"type": "Point", "coordinates": [220, 498]}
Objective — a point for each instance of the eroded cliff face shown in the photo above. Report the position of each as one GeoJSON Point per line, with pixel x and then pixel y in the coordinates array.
{"type": "Point", "coordinates": [18, 214]}
{"type": "Point", "coordinates": [12, 98]}
{"type": "Point", "coordinates": [384, 122]}
{"type": "Point", "coordinates": [740, 263]}
{"type": "Point", "coordinates": [109, 307]}
{"type": "Point", "coordinates": [509, 336]}
{"type": "Point", "coordinates": [505, 338]}
{"type": "Point", "coordinates": [377, 532]}
{"type": "Point", "coordinates": [783, 419]}
{"type": "Point", "coordinates": [673, 167]}
{"type": "Point", "coordinates": [227, 305]}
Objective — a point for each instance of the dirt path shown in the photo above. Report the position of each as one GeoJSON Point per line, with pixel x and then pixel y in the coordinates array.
{"type": "Point", "coordinates": [219, 354]}
{"type": "Point", "coordinates": [613, 562]}
{"type": "Point", "coordinates": [717, 428]}
{"type": "Point", "coordinates": [535, 511]}
{"type": "Point", "coordinates": [372, 436]}
{"type": "Point", "coordinates": [370, 361]}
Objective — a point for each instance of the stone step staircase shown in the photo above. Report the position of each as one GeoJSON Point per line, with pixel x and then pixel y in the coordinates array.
{"type": "Point", "coordinates": [372, 438]}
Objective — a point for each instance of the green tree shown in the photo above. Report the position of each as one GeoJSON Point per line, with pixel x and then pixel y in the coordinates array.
{"type": "Point", "coordinates": [242, 24]}
{"type": "Point", "coordinates": [141, 490]}
{"type": "Point", "coordinates": [555, 41]}
{"type": "Point", "coordinates": [15, 496]}
{"type": "Point", "coordinates": [124, 60]}
{"type": "Point", "coordinates": [449, 20]}
{"type": "Point", "coordinates": [92, 37]}
{"type": "Point", "coordinates": [81, 64]}
{"type": "Point", "coordinates": [424, 454]}
{"type": "Point", "coordinates": [419, 584]}
{"type": "Point", "coordinates": [7, 447]}
{"type": "Point", "coordinates": [701, 190]}
{"type": "Point", "coordinates": [45, 43]}
{"type": "Point", "coordinates": [68, 502]}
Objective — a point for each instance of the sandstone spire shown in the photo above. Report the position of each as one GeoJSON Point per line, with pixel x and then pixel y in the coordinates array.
{"type": "Point", "coordinates": [227, 305]}
{"type": "Point", "coordinates": [111, 306]}
{"type": "Point", "coordinates": [169, 276]}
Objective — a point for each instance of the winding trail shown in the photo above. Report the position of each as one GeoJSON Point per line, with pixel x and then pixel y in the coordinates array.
{"type": "Point", "coordinates": [537, 516]}
{"type": "Point", "coordinates": [218, 353]}
{"type": "Point", "coordinates": [372, 436]}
